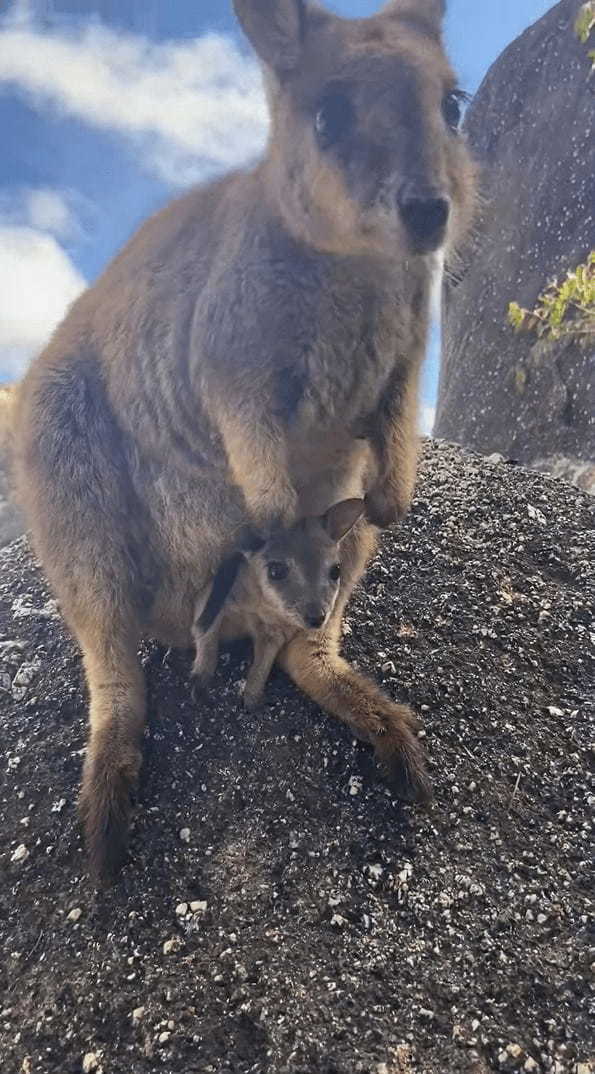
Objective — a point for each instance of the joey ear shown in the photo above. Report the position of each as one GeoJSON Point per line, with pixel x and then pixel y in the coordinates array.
{"type": "Point", "coordinates": [430, 12]}
{"type": "Point", "coordinates": [341, 518]}
{"type": "Point", "coordinates": [251, 541]}
{"type": "Point", "coordinates": [275, 28]}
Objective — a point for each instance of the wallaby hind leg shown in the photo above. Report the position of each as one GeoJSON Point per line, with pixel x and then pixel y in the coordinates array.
{"type": "Point", "coordinates": [89, 530]}
{"type": "Point", "coordinates": [314, 663]}
{"type": "Point", "coordinates": [265, 652]}
{"type": "Point", "coordinates": [206, 656]}
{"type": "Point", "coordinates": [208, 618]}
{"type": "Point", "coordinates": [113, 760]}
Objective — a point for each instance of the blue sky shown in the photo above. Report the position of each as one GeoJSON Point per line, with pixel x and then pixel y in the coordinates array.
{"type": "Point", "coordinates": [110, 107]}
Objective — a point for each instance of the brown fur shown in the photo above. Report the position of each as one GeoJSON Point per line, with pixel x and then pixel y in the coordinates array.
{"type": "Point", "coordinates": [251, 356]}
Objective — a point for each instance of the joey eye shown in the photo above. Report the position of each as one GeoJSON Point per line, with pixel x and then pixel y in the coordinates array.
{"type": "Point", "coordinates": [453, 105]}
{"type": "Point", "coordinates": [334, 118]}
{"type": "Point", "coordinates": [277, 570]}
{"type": "Point", "coordinates": [335, 572]}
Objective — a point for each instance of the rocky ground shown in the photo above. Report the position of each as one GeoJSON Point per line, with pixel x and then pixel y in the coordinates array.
{"type": "Point", "coordinates": [280, 912]}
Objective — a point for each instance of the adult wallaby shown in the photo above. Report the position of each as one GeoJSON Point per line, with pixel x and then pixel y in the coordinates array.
{"type": "Point", "coordinates": [288, 584]}
{"type": "Point", "coordinates": [251, 357]}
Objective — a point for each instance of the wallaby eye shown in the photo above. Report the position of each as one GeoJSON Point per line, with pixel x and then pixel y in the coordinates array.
{"type": "Point", "coordinates": [335, 572]}
{"type": "Point", "coordinates": [334, 118]}
{"type": "Point", "coordinates": [452, 108]}
{"type": "Point", "coordinates": [277, 570]}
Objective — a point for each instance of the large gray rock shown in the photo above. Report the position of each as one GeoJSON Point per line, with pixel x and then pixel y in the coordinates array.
{"type": "Point", "coordinates": [531, 127]}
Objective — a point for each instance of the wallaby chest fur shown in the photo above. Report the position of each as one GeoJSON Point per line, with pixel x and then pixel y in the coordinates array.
{"type": "Point", "coordinates": [317, 336]}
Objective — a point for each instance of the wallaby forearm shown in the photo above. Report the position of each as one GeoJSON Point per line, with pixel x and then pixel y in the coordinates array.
{"type": "Point", "coordinates": [257, 456]}
{"type": "Point", "coordinates": [395, 444]}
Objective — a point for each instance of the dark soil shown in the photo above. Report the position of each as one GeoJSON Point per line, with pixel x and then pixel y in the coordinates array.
{"type": "Point", "coordinates": [338, 931]}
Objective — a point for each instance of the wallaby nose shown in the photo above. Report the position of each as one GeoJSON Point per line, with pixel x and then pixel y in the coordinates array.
{"type": "Point", "coordinates": [314, 617]}
{"type": "Point", "coordinates": [425, 213]}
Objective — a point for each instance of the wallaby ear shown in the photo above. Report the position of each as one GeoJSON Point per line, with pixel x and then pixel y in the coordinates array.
{"type": "Point", "coordinates": [430, 12]}
{"type": "Point", "coordinates": [275, 29]}
{"type": "Point", "coordinates": [342, 517]}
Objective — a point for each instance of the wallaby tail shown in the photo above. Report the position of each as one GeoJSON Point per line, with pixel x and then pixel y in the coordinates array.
{"type": "Point", "coordinates": [315, 666]}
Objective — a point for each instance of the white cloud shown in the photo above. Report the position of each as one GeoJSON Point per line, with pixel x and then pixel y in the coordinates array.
{"type": "Point", "coordinates": [42, 209]}
{"type": "Point", "coordinates": [38, 284]}
{"type": "Point", "coordinates": [427, 418]}
{"type": "Point", "coordinates": [48, 210]}
{"type": "Point", "coordinates": [194, 107]}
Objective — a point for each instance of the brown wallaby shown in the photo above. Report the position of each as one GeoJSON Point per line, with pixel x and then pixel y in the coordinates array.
{"type": "Point", "coordinates": [289, 584]}
{"type": "Point", "coordinates": [251, 357]}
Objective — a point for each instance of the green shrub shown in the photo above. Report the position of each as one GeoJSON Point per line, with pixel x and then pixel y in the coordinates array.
{"type": "Point", "coordinates": [584, 26]}
{"type": "Point", "coordinates": [563, 309]}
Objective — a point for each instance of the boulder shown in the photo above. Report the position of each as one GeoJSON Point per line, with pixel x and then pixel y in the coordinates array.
{"type": "Point", "coordinates": [531, 126]}
{"type": "Point", "coordinates": [280, 911]}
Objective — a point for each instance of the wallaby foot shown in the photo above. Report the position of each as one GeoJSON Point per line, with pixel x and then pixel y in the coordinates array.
{"type": "Point", "coordinates": [252, 696]}
{"type": "Point", "coordinates": [320, 672]}
{"type": "Point", "coordinates": [205, 660]}
{"type": "Point", "coordinates": [266, 649]}
{"type": "Point", "coordinates": [110, 780]}
{"type": "Point", "coordinates": [114, 756]}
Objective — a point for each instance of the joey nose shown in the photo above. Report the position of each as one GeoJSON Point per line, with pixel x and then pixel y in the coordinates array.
{"type": "Point", "coordinates": [425, 214]}
{"type": "Point", "coordinates": [314, 617]}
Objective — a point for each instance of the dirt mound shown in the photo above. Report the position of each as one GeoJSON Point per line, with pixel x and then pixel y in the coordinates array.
{"type": "Point", "coordinates": [280, 912]}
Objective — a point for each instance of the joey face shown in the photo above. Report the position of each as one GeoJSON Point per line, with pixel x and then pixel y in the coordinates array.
{"type": "Point", "coordinates": [366, 153]}
{"type": "Point", "coordinates": [299, 570]}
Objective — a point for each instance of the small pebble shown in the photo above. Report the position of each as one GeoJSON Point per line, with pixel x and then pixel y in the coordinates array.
{"type": "Point", "coordinates": [20, 854]}
{"type": "Point", "coordinates": [181, 909]}
{"type": "Point", "coordinates": [90, 1063]}
{"type": "Point", "coordinates": [171, 945]}
{"type": "Point", "coordinates": [198, 907]}
{"type": "Point", "coordinates": [137, 1015]}
{"type": "Point", "coordinates": [164, 1037]}
{"type": "Point", "coordinates": [185, 835]}
{"type": "Point", "coordinates": [514, 1051]}
{"type": "Point", "coordinates": [75, 915]}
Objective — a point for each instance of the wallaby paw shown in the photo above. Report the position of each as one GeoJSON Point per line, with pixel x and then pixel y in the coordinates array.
{"type": "Point", "coordinates": [105, 804]}
{"type": "Point", "coordinates": [382, 510]}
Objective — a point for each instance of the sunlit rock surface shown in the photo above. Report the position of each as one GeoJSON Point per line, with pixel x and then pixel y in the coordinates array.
{"type": "Point", "coordinates": [531, 127]}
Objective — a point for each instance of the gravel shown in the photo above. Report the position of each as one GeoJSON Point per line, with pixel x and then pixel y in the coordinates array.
{"type": "Point", "coordinates": [306, 922]}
